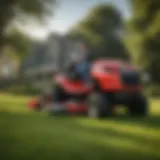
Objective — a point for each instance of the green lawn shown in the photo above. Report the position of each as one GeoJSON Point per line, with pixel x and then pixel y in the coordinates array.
{"type": "Point", "coordinates": [25, 135]}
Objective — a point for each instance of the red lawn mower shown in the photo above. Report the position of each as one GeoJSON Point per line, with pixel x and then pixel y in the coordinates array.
{"type": "Point", "coordinates": [112, 83]}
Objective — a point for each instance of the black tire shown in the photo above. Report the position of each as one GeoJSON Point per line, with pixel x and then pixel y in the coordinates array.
{"type": "Point", "coordinates": [57, 93]}
{"type": "Point", "coordinates": [58, 96]}
{"type": "Point", "coordinates": [99, 106]}
{"type": "Point", "coordinates": [138, 106]}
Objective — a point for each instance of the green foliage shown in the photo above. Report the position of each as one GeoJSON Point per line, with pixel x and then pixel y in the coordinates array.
{"type": "Point", "coordinates": [20, 43]}
{"type": "Point", "coordinates": [100, 27]}
{"type": "Point", "coordinates": [22, 9]}
{"type": "Point", "coordinates": [145, 25]}
{"type": "Point", "coordinates": [12, 11]}
{"type": "Point", "coordinates": [22, 89]}
{"type": "Point", "coordinates": [33, 9]}
{"type": "Point", "coordinates": [154, 91]}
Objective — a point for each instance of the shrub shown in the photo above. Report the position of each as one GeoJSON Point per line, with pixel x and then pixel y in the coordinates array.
{"type": "Point", "coordinates": [153, 91]}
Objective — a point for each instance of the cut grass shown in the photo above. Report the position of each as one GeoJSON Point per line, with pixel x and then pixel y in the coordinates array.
{"type": "Point", "coordinates": [27, 135]}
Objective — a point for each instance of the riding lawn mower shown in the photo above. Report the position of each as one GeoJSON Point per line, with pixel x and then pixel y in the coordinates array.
{"type": "Point", "coordinates": [112, 83]}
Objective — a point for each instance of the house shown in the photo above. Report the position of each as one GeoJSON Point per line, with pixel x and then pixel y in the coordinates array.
{"type": "Point", "coordinates": [54, 54]}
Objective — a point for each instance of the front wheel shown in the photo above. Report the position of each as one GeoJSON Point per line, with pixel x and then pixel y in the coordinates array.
{"type": "Point", "coordinates": [58, 96]}
{"type": "Point", "coordinates": [99, 106]}
{"type": "Point", "coordinates": [138, 106]}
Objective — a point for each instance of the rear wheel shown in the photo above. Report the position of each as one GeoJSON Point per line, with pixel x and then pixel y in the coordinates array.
{"type": "Point", "coordinates": [58, 96]}
{"type": "Point", "coordinates": [99, 106]}
{"type": "Point", "coordinates": [138, 106]}
{"type": "Point", "coordinates": [57, 93]}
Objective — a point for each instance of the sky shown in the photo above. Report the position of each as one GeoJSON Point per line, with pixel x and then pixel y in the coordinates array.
{"type": "Point", "coordinates": [68, 13]}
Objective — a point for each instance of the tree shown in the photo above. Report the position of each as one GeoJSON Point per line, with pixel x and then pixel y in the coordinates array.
{"type": "Point", "coordinates": [101, 28]}
{"type": "Point", "coordinates": [16, 49]}
{"type": "Point", "coordinates": [22, 10]}
{"type": "Point", "coordinates": [145, 25]}
{"type": "Point", "coordinates": [20, 43]}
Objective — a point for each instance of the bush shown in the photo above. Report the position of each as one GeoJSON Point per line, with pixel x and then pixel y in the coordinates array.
{"type": "Point", "coordinates": [154, 91]}
{"type": "Point", "coordinates": [22, 90]}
